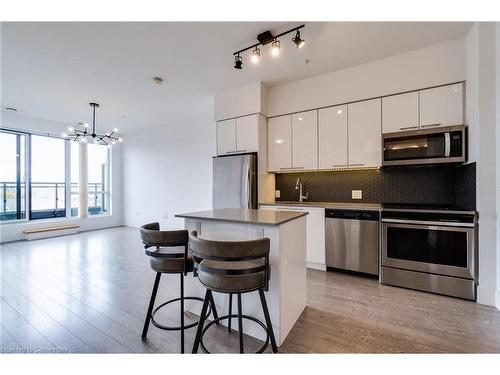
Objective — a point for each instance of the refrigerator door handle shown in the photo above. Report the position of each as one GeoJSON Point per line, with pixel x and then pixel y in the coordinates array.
{"type": "Point", "coordinates": [245, 181]}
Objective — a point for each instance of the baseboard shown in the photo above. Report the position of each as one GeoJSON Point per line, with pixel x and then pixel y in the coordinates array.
{"type": "Point", "coordinates": [316, 266]}
{"type": "Point", "coordinates": [497, 299]}
{"type": "Point", "coordinates": [487, 296]}
{"type": "Point", "coordinates": [58, 233]}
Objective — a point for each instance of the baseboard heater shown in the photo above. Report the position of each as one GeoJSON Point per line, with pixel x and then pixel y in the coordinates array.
{"type": "Point", "coordinates": [59, 230]}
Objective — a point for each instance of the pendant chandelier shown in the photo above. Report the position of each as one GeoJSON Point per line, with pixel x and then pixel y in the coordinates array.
{"type": "Point", "coordinates": [86, 135]}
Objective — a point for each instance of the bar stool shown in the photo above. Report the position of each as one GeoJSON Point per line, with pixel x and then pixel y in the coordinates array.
{"type": "Point", "coordinates": [235, 267]}
{"type": "Point", "coordinates": [170, 256]}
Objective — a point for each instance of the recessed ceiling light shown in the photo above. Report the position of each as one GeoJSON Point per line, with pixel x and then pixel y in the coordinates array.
{"type": "Point", "coordinates": [339, 112]}
{"type": "Point", "coordinates": [158, 80]}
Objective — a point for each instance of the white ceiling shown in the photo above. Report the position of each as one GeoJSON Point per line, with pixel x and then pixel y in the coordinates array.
{"type": "Point", "coordinates": [52, 70]}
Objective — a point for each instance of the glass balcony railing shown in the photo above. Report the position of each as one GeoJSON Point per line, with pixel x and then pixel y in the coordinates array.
{"type": "Point", "coordinates": [48, 200]}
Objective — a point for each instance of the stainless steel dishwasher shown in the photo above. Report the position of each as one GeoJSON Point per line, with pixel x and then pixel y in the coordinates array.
{"type": "Point", "coordinates": [352, 240]}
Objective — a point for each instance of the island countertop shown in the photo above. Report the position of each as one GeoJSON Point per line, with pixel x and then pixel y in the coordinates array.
{"type": "Point", "coordinates": [246, 216]}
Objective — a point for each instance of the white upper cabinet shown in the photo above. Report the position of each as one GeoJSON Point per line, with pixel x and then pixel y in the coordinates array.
{"type": "Point", "coordinates": [238, 135]}
{"type": "Point", "coordinates": [280, 143]}
{"type": "Point", "coordinates": [332, 133]}
{"type": "Point", "coordinates": [400, 112]}
{"type": "Point", "coordinates": [247, 133]}
{"type": "Point", "coordinates": [441, 106]}
{"type": "Point", "coordinates": [365, 133]}
{"type": "Point", "coordinates": [226, 137]}
{"type": "Point", "coordinates": [305, 140]}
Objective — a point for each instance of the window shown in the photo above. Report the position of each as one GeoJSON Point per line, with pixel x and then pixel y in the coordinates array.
{"type": "Point", "coordinates": [48, 188]}
{"type": "Point", "coordinates": [12, 176]}
{"type": "Point", "coordinates": [98, 179]}
{"type": "Point", "coordinates": [41, 177]}
{"type": "Point", "coordinates": [75, 178]}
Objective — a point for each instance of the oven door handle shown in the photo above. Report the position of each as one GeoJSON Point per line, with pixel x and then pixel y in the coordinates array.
{"type": "Point", "coordinates": [447, 145]}
{"type": "Point", "coordinates": [437, 223]}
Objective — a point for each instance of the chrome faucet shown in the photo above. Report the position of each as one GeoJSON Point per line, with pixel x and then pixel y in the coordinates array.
{"type": "Point", "coordinates": [300, 187]}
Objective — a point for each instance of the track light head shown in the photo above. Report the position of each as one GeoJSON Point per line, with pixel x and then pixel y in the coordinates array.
{"type": "Point", "coordinates": [255, 55]}
{"type": "Point", "coordinates": [238, 62]}
{"type": "Point", "coordinates": [299, 42]}
{"type": "Point", "coordinates": [275, 49]}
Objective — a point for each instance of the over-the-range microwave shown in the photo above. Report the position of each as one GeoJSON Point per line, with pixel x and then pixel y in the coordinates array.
{"type": "Point", "coordinates": [430, 146]}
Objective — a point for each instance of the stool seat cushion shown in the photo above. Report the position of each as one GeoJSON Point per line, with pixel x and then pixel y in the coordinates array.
{"type": "Point", "coordinates": [160, 263]}
{"type": "Point", "coordinates": [232, 283]}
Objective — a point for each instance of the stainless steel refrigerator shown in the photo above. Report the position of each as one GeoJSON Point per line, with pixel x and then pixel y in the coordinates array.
{"type": "Point", "coordinates": [235, 181]}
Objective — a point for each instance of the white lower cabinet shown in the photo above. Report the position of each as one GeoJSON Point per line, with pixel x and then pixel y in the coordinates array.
{"type": "Point", "coordinates": [315, 233]}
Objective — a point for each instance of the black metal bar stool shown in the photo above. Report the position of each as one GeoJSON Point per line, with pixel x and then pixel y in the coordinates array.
{"type": "Point", "coordinates": [235, 267]}
{"type": "Point", "coordinates": [170, 256]}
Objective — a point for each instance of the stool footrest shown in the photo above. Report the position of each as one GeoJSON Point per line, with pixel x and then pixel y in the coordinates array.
{"type": "Point", "coordinates": [216, 321]}
{"type": "Point", "coordinates": [177, 328]}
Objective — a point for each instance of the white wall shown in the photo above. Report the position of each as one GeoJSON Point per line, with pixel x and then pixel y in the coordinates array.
{"type": "Point", "coordinates": [168, 170]}
{"type": "Point", "coordinates": [245, 100]}
{"type": "Point", "coordinates": [483, 139]}
{"type": "Point", "coordinates": [13, 231]}
{"type": "Point", "coordinates": [440, 64]}
{"type": "Point", "coordinates": [497, 64]}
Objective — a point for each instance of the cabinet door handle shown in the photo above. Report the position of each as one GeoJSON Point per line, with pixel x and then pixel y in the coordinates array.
{"type": "Point", "coordinates": [283, 169]}
{"type": "Point", "coordinates": [298, 168]}
{"type": "Point", "coordinates": [338, 165]}
{"type": "Point", "coordinates": [241, 151]}
{"type": "Point", "coordinates": [429, 125]}
{"type": "Point", "coordinates": [356, 165]}
{"type": "Point", "coordinates": [408, 127]}
{"type": "Point", "coordinates": [229, 152]}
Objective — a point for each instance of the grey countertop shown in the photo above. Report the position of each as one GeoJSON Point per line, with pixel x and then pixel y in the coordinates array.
{"type": "Point", "coordinates": [352, 206]}
{"type": "Point", "coordinates": [246, 216]}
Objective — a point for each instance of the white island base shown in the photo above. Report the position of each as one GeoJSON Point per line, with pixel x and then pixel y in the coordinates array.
{"type": "Point", "coordinates": [286, 297]}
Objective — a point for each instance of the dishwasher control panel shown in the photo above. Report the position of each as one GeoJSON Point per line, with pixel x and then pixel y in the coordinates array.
{"type": "Point", "coordinates": [352, 214]}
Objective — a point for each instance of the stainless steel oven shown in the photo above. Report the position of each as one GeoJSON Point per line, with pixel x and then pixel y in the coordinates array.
{"type": "Point", "coordinates": [430, 250]}
{"type": "Point", "coordinates": [429, 146]}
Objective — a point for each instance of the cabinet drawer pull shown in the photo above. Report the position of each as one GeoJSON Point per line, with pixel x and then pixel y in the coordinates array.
{"type": "Point", "coordinates": [338, 165]}
{"type": "Point", "coordinates": [298, 168]}
{"type": "Point", "coordinates": [241, 151]}
{"type": "Point", "coordinates": [408, 127]}
{"type": "Point", "coordinates": [285, 169]}
{"type": "Point", "coordinates": [356, 165]}
{"type": "Point", "coordinates": [429, 125]}
{"type": "Point", "coordinates": [229, 152]}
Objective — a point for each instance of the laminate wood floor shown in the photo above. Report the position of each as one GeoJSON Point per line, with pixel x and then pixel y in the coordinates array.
{"type": "Point", "coordinates": [88, 293]}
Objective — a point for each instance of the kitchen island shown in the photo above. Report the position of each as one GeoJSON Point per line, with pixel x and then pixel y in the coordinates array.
{"type": "Point", "coordinates": [286, 297]}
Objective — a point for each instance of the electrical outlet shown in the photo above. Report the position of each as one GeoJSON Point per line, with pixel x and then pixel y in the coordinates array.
{"type": "Point", "coordinates": [357, 194]}
{"type": "Point", "coordinates": [277, 193]}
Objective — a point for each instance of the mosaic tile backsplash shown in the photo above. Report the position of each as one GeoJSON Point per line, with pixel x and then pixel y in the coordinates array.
{"type": "Point", "coordinates": [452, 185]}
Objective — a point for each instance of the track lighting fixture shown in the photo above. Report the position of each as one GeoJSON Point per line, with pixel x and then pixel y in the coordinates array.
{"type": "Point", "coordinates": [299, 42]}
{"type": "Point", "coordinates": [275, 50]}
{"type": "Point", "coordinates": [266, 38]}
{"type": "Point", "coordinates": [238, 62]}
{"type": "Point", "coordinates": [255, 55]}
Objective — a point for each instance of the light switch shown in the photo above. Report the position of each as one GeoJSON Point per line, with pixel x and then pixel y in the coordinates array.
{"type": "Point", "coordinates": [277, 193]}
{"type": "Point", "coordinates": [357, 194]}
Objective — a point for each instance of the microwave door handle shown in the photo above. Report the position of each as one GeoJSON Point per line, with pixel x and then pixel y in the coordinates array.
{"type": "Point", "coordinates": [447, 144]}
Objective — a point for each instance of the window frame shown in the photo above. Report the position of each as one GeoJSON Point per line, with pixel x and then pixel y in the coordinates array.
{"type": "Point", "coordinates": [27, 177]}
{"type": "Point", "coordinates": [105, 195]}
